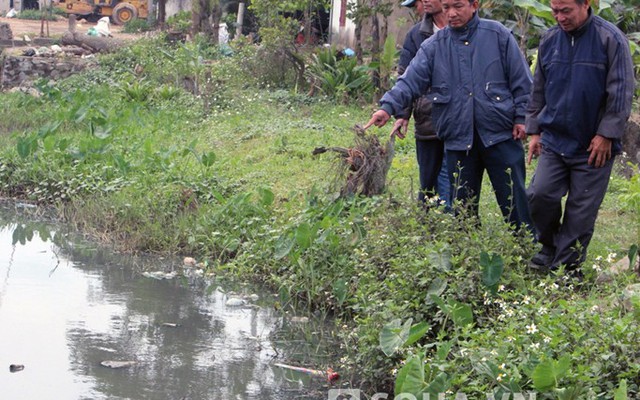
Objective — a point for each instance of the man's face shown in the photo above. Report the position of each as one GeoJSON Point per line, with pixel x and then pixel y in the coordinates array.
{"type": "Point", "coordinates": [419, 8]}
{"type": "Point", "coordinates": [569, 14]}
{"type": "Point", "coordinates": [432, 6]}
{"type": "Point", "coordinates": [459, 12]}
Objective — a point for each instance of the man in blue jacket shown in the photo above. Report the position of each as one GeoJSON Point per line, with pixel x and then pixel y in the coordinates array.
{"type": "Point", "coordinates": [581, 99]}
{"type": "Point", "coordinates": [479, 82]}
{"type": "Point", "coordinates": [434, 179]}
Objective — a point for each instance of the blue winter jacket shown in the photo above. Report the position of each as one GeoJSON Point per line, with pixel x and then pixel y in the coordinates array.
{"type": "Point", "coordinates": [583, 86]}
{"type": "Point", "coordinates": [476, 77]}
{"type": "Point", "coordinates": [421, 108]}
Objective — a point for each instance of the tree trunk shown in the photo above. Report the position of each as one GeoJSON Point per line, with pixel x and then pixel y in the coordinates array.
{"type": "Point", "coordinates": [162, 13]}
{"type": "Point", "coordinates": [375, 46]}
{"type": "Point", "coordinates": [358, 33]}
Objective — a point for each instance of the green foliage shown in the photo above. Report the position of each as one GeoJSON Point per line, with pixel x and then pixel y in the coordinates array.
{"type": "Point", "coordinates": [339, 78]}
{"type": "Point", "coordinates": [137, 25]}
{"type": "Point", "coordinates": [130, 154]}
{"type": "Point", "coordinates": [180, 22]}
{"type": "Point", "coordinates": [39, 15]}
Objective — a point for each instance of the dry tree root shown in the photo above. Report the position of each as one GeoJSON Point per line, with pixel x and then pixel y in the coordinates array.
{"type": "Point", "coordinates": [365, 165]}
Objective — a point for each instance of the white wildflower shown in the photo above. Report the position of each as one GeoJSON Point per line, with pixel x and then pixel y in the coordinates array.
{"type": "Point", "coordinates": [531, 329]}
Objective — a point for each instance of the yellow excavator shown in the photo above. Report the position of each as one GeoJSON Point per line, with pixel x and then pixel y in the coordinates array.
{"type": "Point", "coordinates": [120, 11]}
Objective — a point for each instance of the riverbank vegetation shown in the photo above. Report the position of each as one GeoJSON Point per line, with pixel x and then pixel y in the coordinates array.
{"type": "Point", "coordinates": [180, 148]}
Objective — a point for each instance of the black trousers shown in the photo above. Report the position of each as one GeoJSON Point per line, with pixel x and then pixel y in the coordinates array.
{"type": "Point", "coordinates": [567, 234]}
{"type": "Point", "coordinates": [434, 179]}
{"type": "Point", "coordinates": [504, 163]}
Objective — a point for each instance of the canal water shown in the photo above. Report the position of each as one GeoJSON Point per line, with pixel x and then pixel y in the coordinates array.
{"type": "Point", "coordinates": [67, 310]}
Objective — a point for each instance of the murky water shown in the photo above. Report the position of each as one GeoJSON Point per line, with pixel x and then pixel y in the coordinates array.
{"type": "Point", "coordinates": [62, 315]}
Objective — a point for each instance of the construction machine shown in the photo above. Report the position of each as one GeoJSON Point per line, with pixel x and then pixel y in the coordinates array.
{"type": "Point", "coordinates": [120, 11]}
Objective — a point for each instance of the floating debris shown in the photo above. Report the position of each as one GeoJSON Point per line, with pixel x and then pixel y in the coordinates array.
{"type": "Point", "coordinates": [170, 324]}
{"type": "Point", "coordinates": [299, 320]}
{"type": "Point", "coordinates": [160, 275]}
{"type": "Point", "coordinates": [329, 374]}
{"type": "Point", "coordinates": [235, 302]}
{"type": "Point", "coordinates": [189, 262]}
{"type": "Point", "coordinates": [118, 364]}
{"type": "Point", "coordinates": [16, 367]}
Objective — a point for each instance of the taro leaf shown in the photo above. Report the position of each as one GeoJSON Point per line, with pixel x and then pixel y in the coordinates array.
{"type": "Point", "coordinates": [438, 386]}
{"type": "Point", "coordinates": [416, 332]}
{"type": "Point", "coordinates": [492, 269]}
{"type": "Point", "coordinates": [436, 288]}
{"type": "Point", "coordinates": [442, 260]}
{"type": "Point", "coordinates": [573, 393]}
{"type": "Point", "coordinates": [461, 313]}
{"type": "Point", "coordinates": [621, 391]}
{"type": "Point", "coordinates": [340, 290]}
{"type": "Point", "coordinates": [266, 196]}
{"type": "Point", "coordinates": [303, 235]}
{"type": "Point", "coordinates": [49, 143]}
{"type": "Point", "coordinates": [394, 335]}
{"type": "Point", "coordinates": [444, 348]}
{"type": "Point", "coordinates": [18, 235]}
{"type": "Point", "coordinates": [207, 159]}
{"type": "Point", "coordinates": [549, 372]}
{"type": "Point", "coordinates": [26, 146]}
{"type": "Point", "coordinates": [633, 253]}
{"type": "Point", "coordinates": [283, 246]}
{"type": "Point", "coordinates": [410, 378]}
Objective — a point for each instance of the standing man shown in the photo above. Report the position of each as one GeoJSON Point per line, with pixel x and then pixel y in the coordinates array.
{"type": "Point", "coordinates": [479, 84]}
{"type": "Point", "coordinates": [434, 179]}
{"type": "Point", "coordinates": [581, 100]}
{"type": "Point", "coordinates": [419, 6]}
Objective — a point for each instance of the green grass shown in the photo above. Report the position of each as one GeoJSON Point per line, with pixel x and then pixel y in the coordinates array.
{"type": "Point", "coordinates": [225, 173]}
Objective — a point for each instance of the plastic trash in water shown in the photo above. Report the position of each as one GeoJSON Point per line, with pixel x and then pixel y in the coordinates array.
{"type": "Point", "coordinates": [92, 31]}
{"type": "Point", "coordinates": [329, 374]}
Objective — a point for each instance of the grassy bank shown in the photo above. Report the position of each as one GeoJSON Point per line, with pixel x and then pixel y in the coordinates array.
{"type": "Point", "coordinates": [178, 149]}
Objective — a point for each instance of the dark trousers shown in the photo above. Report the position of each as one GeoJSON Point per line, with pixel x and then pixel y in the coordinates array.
{"type": "Point", "coordinates": [504, 163]}
{"type": "Point", "coordinates": [568, 235]}
{"type": "Point", "coordinates": [434, 179]}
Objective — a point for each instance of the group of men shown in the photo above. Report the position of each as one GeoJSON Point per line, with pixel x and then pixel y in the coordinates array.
{"type": "Point", "coordinates": [474, 101]}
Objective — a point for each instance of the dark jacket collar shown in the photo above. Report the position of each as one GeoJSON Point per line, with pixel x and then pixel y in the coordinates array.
{"type": "Point", "coordinates": [469, 28]}
{"type": "Point", "coordinates": [583, 28]}
{"type": "Point", "coordinates": [426, 27]}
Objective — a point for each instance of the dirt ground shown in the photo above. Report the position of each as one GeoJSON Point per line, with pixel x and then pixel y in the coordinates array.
{"type": "Point", "coordinates": [54, 29]}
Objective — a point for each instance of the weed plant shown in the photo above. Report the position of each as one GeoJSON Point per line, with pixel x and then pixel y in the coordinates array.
{"type": "Point", "coordinates": [179, 149]}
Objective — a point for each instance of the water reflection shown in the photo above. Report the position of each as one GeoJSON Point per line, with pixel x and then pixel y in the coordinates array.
{"type": "Point", "coordinates": [61, 314]}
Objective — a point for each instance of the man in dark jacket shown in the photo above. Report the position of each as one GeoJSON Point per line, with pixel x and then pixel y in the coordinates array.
{"type": "Point", "coordinates": [581, 99]}
{"type": "Point", "coordinates": [434, 179]}
{"type": "Point", "coordinates": [479, 83]}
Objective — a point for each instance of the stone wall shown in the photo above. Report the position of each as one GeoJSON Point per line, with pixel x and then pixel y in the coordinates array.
{"type": "Point", "coordinates": [22, 70]}
{"type": "Point", "coordinates": [5, 31]}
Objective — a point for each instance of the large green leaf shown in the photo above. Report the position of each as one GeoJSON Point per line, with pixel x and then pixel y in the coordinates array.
{"type": "Point", "coordinates": [492, 269]}
{"type": "Point", "coordinates": [411, 379]}
{"type": "Point", "coordinates": [416, 332]}
{"type": "Point", "coordinates": [436, 288]}
{"type": "Point", "coordinates": [303, 235]}
{"type": "Point", "coordinates": [394, 335]}
{"type": "Point", "coordinates": [621, 391]}
{"type": "Point", "coordinates": [547, 374]}
{"type": "Point", "coordinates": [283, 246]}
{"type": "Point", "coordinates": [461, 313]}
